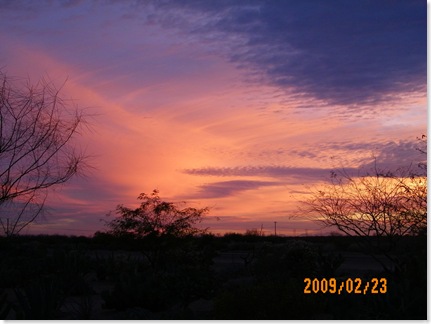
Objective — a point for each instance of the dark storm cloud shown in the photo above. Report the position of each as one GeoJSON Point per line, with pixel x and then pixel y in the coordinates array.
{"type": "Point", "coordinates": [228, 188]}
{"type": "Point", "coordinates": [342, 52]}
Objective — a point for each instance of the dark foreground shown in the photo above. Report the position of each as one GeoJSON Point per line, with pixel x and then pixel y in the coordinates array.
{"type": "Point", "coordinates": [230, 277]}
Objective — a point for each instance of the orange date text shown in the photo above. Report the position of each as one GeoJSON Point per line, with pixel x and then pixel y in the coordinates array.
{"type": "Point", "coordinates": [349, 285]}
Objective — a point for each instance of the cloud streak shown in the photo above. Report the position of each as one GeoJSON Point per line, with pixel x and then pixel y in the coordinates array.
{"type": "Point", "coordinates": [390, 156]}
{"type": "Point", "coordinates": [230, 188]}
{"type": "Point", "coordinates": [277, 172]}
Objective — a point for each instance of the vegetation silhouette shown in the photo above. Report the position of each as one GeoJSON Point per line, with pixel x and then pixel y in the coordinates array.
{"type": "Point", "coordinates": [36, 148]}
{"type": "Point", "coordinates": [372, 207]}
{"type": "Point", "coordinates": [201, 277]}
{"type": "Point", "coordinates": [156, 218]}
{"type": "Point", "coordinates": [380, 206]}
{"type": "Point", "coordinates": [163, 228]}
{"type": "Point", "coordinates": [154, 262]}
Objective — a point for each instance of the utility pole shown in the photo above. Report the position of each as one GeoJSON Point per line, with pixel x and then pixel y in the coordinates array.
{"type": "Point", "coordinates": [275, 228]}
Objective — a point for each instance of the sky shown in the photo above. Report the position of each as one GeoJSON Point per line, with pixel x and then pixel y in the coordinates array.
{"type": "Point", "coordinates": [239, 106]}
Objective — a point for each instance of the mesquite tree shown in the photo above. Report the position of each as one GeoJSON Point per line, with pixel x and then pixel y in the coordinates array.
{"type": "Point", "coordinates": [379, 207]}
{"type": "Point", "coordinates": [160, 225]}
{"type": "Point", "coordinates": [37, 129]}
{"type": "Point", "coordinates": [156, 218]}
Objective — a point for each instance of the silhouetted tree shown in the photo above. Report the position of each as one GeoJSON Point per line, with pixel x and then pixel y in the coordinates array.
{"type": "Point", "coordinates": [162, 226]}
{"type": "Point", "coordinates": [36, 153]}
{"type": "Point", "coordinates": [156, 218]}
{"type": "Point", "coordinates": [373, 205]}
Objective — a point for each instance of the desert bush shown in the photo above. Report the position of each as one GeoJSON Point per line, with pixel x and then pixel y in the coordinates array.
{"type": "Point", "coordinates": [407, 288]}
{"type": "Point", "coordinates": [5, 305]}
{"type": "Point", "coordinates": [183, 274]}
{"type": "Point", "coordinates": [268, 300]}
{"type": "Point", "coordinates": [328, 264]}
{"type": "Point", "coordinates": [111, 266]}
{"type": "Point", "coordinates": [20, 270]}
{"type": "Point", "coordinates": [82, 307]}
{"type": "Point", "coordinates": [40, 300]}
{"type": "Point", "coordinates": [148, 291]}
{"type": "Point", "coordinates": [156, 218]}
{"type": "Point", "coordinates": [295, 259]}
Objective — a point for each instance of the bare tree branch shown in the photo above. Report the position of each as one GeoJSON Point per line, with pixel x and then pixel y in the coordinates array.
{"type": "Point", "coordinates": [37, 129]}
{"type": "Point", "coordinates": [383, 204]}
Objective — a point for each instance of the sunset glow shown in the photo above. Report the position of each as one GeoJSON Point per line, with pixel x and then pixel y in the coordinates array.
{"type": "Point", "coordinates": [238, 106]}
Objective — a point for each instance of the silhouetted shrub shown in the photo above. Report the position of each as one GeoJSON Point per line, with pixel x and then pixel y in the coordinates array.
{"type": "Point", "coordinates": [328, 264]}
{"type": "Point", "coordinates": [296, 259]}
{"type": "Point", "coordinates": [156, 218]}
{"type": "Point", "coordinates": [5, 305]}
{"type": "Point", "coordinates": [268, 300]}
{"type": "Point", "coordinates": [40, 300]}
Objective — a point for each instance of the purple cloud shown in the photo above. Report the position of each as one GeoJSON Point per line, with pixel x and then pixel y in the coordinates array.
{"type": "Point", "coordinates": [278, 172]}
{"type": "Point", "coordinates": [351, 53]}
{"type": "Point", "coordinates": [229, 188]}
{"type": "Point", "coordinates": [390, 156]}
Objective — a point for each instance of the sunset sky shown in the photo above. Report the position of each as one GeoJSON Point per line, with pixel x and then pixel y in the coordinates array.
{"type": "Point", "coordinates": [241, 106]}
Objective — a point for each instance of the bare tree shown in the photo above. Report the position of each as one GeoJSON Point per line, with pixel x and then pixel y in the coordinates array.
{"type": "Point", "coordinates": [378, 205]}
{"type": "Point", "coordinates": [37, 128]}
{"type": "Point", "coordinates": [372, 205]}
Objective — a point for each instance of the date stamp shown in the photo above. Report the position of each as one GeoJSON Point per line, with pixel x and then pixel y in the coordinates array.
{"type": "Point", "coordinates": [349, 285]}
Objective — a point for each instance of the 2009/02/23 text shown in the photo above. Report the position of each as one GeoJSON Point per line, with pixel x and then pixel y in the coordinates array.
{"type": "Point", "coordinates": [355, 286]}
